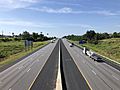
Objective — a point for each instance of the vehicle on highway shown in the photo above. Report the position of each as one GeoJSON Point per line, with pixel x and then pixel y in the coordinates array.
{"type": "Point", "coordinates": [53, 40]}
{"type": "Point", "coordinates": [95, 57]}
{"type": "Point", "coordinates": [89, 53]}
{"type": "Point", "coordinates": [85, 50]}
{"type": "Point", "coordinates": [71, 44]}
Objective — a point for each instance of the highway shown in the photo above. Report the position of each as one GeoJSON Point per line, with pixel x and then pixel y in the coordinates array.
{"type": "Point", "coordinates": [98, 75]}
{"type": "Point", "coordinates": [73, 78]}
{"type": "Point", "coordinates": [46, 80]}
{"type": "Point", "coordinates": [22, 75]}
{"type": "Point", "coordinates": [39, 71]}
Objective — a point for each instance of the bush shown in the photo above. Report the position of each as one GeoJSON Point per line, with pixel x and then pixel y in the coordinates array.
{"type": "Point", "coordinates": [3, 54]}
{"type": "Point", "coordinates": [17, 39]}
{"type": "Point", "coordinates": [93, 41]}
{"type": "Point", "coordinates": [5, 39]}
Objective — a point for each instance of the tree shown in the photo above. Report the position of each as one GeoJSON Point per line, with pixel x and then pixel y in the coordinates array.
{"type": "Point", "coordinates": [105, 36]}
{"type": "Point", "coordinates": [115, 35]}
{"type": "Point", "coordinates": [41, 36]}
{"type": "Point", "coordinates": [26, 35]}
{"type": "Point", "coordinates": [13, 34]}
{"type": "Point", "coordinates": [90, 35]}
{"type": "Point", "coordinates": [35, 36]}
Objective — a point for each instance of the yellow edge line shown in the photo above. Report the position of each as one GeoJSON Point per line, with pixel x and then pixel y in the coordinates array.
{"type": "Point", "coordinates": [82, 74]}
{"type": "Point", "coordinates": [38, 74]}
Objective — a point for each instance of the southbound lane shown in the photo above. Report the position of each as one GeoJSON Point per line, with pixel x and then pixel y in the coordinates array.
{"type": "Point", "coordinates": [46, 80]}
{"type": "Point", "coordinates": [21, 75]}
{"type": "Point", "coordinates": [73, 78]}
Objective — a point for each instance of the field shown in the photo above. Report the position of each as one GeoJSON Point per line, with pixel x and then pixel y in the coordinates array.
{"type": "Point", "coordinates": [107, 47]}
{"type": "Point", "coordinates": [13, 50]}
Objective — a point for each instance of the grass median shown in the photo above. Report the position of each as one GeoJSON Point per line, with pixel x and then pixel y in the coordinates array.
{"type": "Point", "coordinates": [13, 50]}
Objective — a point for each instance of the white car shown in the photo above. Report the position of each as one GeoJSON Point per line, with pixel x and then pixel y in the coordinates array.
{"type": "Point", "coordinates": [71, 44]}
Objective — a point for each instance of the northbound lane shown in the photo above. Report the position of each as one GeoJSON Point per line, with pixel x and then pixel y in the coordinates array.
{"type": "Point", "coordinates": [100, 76]}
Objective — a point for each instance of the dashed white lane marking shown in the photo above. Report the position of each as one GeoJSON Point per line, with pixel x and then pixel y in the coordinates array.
{"type": "Point", "coordinates": [28, 70]}
{"type": "Point", "coordinates": [20, 67]}
{"type": "Point", "coordinates": [94, 72]}
{"type": "Point", "coordinates": [115, 77]}
{"type": "Point", "coordinates": [10, 88]}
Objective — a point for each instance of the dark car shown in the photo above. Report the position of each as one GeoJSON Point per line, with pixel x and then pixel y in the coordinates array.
{"type": "Point", "coordinates": [96, 57]}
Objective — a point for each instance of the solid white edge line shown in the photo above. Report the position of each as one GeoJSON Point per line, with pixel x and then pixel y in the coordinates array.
{"type": "Point", "coordinates": [59, 81]}
{"type": "Point", "coordinates": [115, 77]}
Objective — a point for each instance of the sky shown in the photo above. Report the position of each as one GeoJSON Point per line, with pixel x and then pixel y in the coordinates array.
{"type": "Point", "coordinates": [59, 17]}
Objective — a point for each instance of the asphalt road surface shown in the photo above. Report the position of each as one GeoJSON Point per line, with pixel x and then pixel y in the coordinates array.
{"type": "Point", "coordinates": [46, 80]}
{"type": "Point", "coordinates": [99, 75]}
{"type": "Point", "coordinates": [39, 71]}
{"type": "Point", "coordinates": [21, 75]}
{"type": "Point", "coordinates": [73, 78]}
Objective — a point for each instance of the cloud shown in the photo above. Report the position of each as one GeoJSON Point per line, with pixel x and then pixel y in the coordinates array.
{"type": "Point", "coordinates": [67, 10]}
{"type": "Point", "coordinates": [51, 10]}
{"type": "Point", "coordinates": [78, 25]}
{"type": "Point", "coordinates": [20, 23]}
{"type": "Point", "coordinates": [103, 12]}
{"type": "Point", "coordinates": [25, 23]}
{"type": "Point", "coordinates": [13, 4]}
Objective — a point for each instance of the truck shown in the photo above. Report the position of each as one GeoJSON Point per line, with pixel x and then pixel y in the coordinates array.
{"type": "Point", "coordinates": [87, 51]}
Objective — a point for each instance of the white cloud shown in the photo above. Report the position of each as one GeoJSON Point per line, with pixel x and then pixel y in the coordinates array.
{"type": "Point", "coordinates": [103, 12]}
{"type": "Point", "coordinates": [20, 23]}
{"type": "Point", "coordinates": [66, 10]}
{"type": "Point", "coordinates": [12, 4]}
{"type": "Point", "coordinates": [25, 23]}
{"type": "Point", "coordinates": [51, 10]}
{"type": "Point", "coordinates": [78, 25]}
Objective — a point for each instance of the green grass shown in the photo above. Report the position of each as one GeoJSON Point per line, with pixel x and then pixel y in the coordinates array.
{"type": "Point", "coordinates": [11, 51]}
{"type": "Point", "coordinates": [107, 47]}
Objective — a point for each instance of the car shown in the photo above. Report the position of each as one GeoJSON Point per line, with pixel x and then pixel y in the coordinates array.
{"type": "Point", "coordinates": [71, 44]}
{"type": "Point", "coordinates": [52, 41]}
{"type": "Point", "coordinates": [95, 57]}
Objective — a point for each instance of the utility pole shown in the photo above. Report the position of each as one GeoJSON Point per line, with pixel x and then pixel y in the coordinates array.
{"type": "Point", "coordinates": [2, 34]}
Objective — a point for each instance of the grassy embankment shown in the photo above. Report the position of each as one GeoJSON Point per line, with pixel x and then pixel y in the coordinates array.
{"type": "Point", "coordinates": [13, 50]}
{"type": "Point", "coordinates": [107, 47]}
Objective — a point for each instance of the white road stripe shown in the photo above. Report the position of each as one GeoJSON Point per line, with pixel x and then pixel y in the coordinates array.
{"type": "Point", "coordinates": [28, 70]}
{"type": "Point", "coordinates": [20, 67]}
{"type": "Point", "coordinates": [115, 77]}
{"type": "Point", "coordinates": [10, 88]}
{"type": "Point", "coordinates": [94, 72]}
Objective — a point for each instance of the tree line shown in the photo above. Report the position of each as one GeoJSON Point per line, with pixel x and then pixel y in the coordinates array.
{"type": "Point", "coordinates": [92, 37]}
{"type": "Point", "coordinates": [26, 36]}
